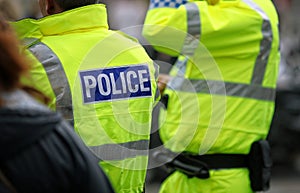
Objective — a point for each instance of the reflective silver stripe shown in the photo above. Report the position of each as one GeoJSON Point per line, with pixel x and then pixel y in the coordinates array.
{"type": "Point", "coordinates": [29, 41]}
{"type": "Point", "coordinates": [156, 67]}
{"type": "Point", "coordinates": [194, 29]}
{"type": "Point", "coordinates": [157, 92]}
{"type": "Point", "coordinates": [217, 88]}
{"type": "Point", "coordinates": [265, 46]}
{"type": "Point", "coordinates": [123, 151]}
{"type": "Point", "coordinates": [254, 6]}
{"type": "Point", "coordinates": [57, 78]}
{"type": "Point", "coordinates": [193, 14]}
{"type": "Point", "coordinates": [181, 65]}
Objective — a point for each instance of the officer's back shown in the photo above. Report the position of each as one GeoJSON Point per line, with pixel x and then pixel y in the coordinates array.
{"type": "Point", "coordinates": [100, 80]}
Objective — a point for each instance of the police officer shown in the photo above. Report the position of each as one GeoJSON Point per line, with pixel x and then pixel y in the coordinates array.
{"type": "Point", "coordinates": [37, 147]}
{"type": "Point", "coordinates": [100, 80]}
{"type": "Point", "coordinates": [220, 97]}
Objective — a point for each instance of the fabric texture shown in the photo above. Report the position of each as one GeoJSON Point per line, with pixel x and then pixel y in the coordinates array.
{"type": "Point", "coordinates": [101, 81]}
{"type": "Point", "coordinates": [41, 153]}
{"type": "Point", "coordinates": [166, 3]}
{"type": "Point", "coordinates": [222, 89]}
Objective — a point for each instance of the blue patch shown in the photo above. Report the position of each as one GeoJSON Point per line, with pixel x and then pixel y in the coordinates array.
{"type": "Point", "coordinates": [115, 83]}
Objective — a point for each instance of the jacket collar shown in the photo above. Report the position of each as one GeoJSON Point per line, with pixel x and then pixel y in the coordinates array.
{"type": "Point", "coordinates": [79, 19]}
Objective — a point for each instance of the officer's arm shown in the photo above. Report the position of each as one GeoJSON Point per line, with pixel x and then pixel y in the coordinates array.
{"type": "Point", "coordinates": [166, 26]}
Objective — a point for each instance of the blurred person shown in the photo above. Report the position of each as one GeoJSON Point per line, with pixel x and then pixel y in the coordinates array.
{"type": "Point", "coordinates": [282, 6]}
{"type": "Point", "coordinates": [219, 96]}
{"type": "Point", "coordinates": [10, 10]}
{"type": "Point", "coordinates": [128, 16]}
{"type": "Point", "coordinates": [284, 132]}
{"type": "Point", "coordinates": [39, 150]}
{"type": "Point", "coordinates": [31, 8]}
{"type": "Point", "coordinates": [120, 19]}
{"type": "Point", "coordinates": [102, 81]}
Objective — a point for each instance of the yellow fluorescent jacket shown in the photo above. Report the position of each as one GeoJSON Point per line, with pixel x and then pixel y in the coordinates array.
{"type": "Point", "coordinates": [221, 97]}
{"type": "Point", "coordinates": [101, 80]}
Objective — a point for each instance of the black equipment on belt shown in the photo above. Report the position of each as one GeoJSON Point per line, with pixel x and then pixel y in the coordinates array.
{"type": "Point", "coordinates": [164, 101]}
{"type": "Point", "coordinates": [199, 166]}
{"type": "Point", "coordinates": [258, 161]}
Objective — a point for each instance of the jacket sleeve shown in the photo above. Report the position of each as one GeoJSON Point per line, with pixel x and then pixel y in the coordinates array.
{"type": "Point", "coordinates": [165, 26]}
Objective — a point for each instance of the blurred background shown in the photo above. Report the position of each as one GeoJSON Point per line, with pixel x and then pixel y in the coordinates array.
{"type": "Point", "coordinates": [128, 16]}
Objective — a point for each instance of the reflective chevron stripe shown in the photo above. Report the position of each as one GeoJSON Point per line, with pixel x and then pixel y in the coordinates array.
{"type": "Point", "coordinates": [110, 152]}
{"type": "Point", "coordinates": [265, 45]}
{"type": "Point", "coordinates": [57, 78]}
{"type": "Point", "coordinates": [220, 88]}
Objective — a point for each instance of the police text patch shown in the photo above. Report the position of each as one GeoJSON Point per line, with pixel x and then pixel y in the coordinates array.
{"type": "Point", "coordinates": [115, 83]}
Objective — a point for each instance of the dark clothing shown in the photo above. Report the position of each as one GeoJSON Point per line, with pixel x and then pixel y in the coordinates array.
{"type": "Point", "coordinates": [40, 153]}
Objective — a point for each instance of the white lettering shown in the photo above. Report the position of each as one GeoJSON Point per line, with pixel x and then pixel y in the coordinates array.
{"type": "Point", "coordinates": [114, 85]}
{"type": "Point", "coordinates": [129, 82]}
{"type": "Point", "coordinates": [143, 80]}
{"type": "Point", "coordinates": [123, 81]}
{"type": "Point", "coordinates": [101, 86]}
{"type": "Point", "coordinates": [90, 82]}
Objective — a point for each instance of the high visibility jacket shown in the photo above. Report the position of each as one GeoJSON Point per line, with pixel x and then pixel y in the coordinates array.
{"type": "Point", "coordinates": [221, 96]}
{"type": "Point", "coordinates": [100, 79]}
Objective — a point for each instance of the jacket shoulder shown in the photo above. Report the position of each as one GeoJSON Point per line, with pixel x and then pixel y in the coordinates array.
{"type": "Point", "coordinates": [127, 36]}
